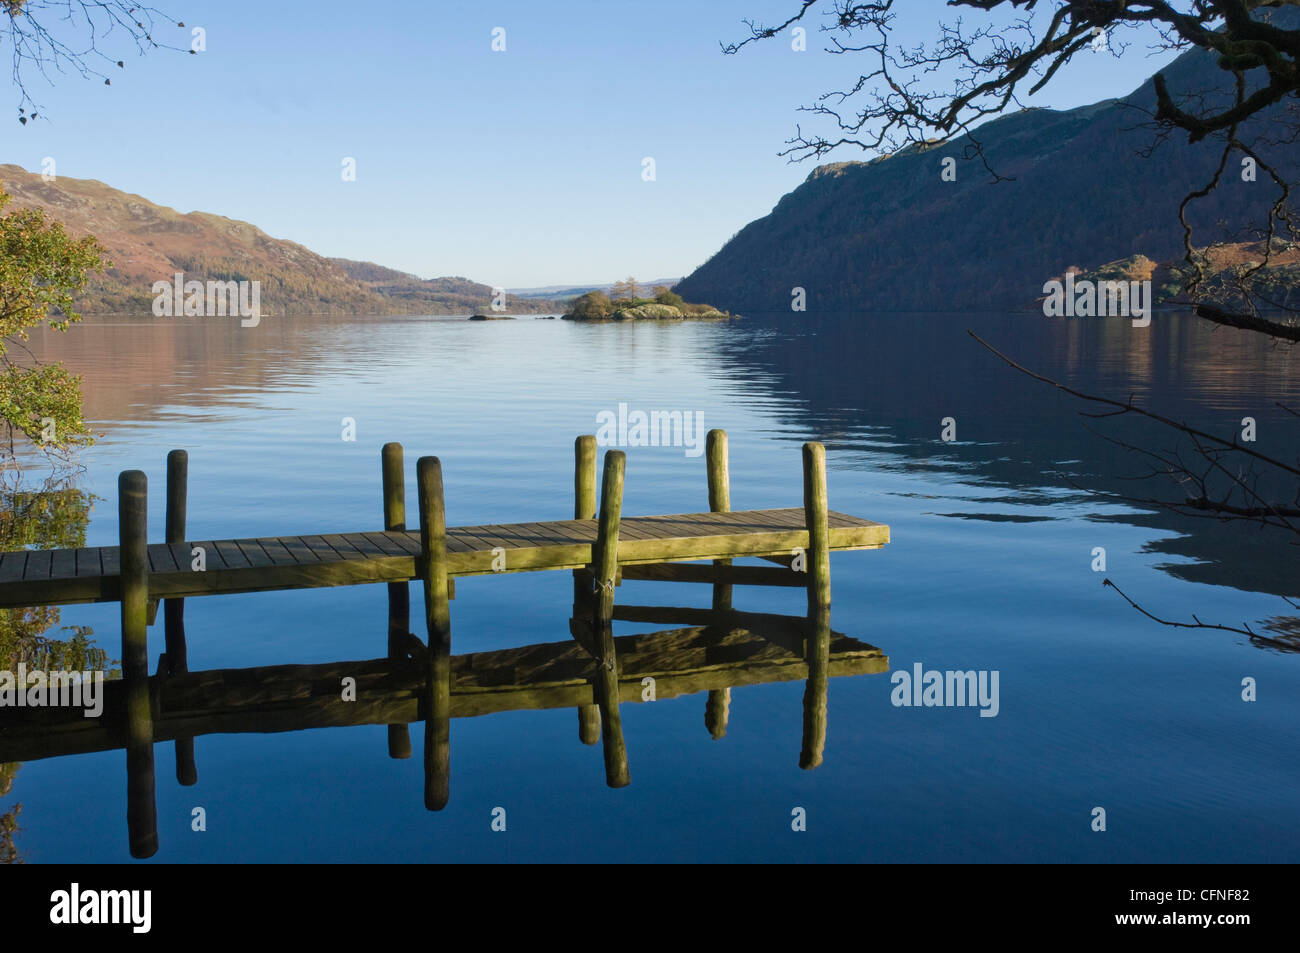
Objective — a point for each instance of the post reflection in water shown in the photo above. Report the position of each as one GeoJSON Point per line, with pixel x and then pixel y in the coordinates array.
{"type": "Point", "coordinates": [717, 650]}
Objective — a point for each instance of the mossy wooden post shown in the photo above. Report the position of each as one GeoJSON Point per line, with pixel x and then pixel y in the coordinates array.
{"type": "Point", "coordinates": [584, 508]}
{"type": "Point", "coordinates": [437, 616]}
{"type": "Point", "coordinates": [817, 642]}
{"type": "Point", "coordinates": [815, 510]}
{"type": "Point", "coordinates": [392, 463]}
{"type": "Point", "coordinates": [141, 808]}
{"type": "Point", "coordinates": [605, 568]}
{"type": "Point", "coordinates": [715, 450]}
{"type": "Point", "coordinates": [715, 454]}
{"type": "Point", "coordinates": [588, 724]}
{"type": "Point", "coordinates": [178, 462]}
{"type": "Point", "coordinates": [178, 465]}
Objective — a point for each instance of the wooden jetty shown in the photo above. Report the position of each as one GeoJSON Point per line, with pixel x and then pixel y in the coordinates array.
{"type": "Point", "coordinates": [599, 545]}
{"type": "Point", "coordinates": [93, 574]}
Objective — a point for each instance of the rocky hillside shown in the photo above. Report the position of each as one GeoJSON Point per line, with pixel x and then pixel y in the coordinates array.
{"type": "Point", "coordinates": [1276, 284]}
{"type": "Point", "coordinates": [891, 235]}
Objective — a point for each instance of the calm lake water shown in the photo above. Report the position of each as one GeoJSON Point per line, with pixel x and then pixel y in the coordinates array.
{"type": "Point", "coordinates": [990, 569]}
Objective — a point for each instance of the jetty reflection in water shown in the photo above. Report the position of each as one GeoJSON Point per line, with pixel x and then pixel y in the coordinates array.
{"type": "Point", "coordinates": [717, 651]}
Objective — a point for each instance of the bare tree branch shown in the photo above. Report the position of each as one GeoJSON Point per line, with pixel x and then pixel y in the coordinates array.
{"type": "Point", "coordinates": [1131, 408]}
{"type": "Point", "coordinates": [1249, 322]}
{"type": "Point", "coordinates": [1243, 629]}
{"type": "Point", "coordinates": [64, 36]}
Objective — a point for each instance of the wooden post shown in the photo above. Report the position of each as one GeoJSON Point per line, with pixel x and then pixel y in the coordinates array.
{"type": "Point", "coordinates": [178, 465]}
{"type": "Point", "coordinates": [399, 593]}
{"type": "Point", "coordinates": [141, 807]}
{"type": "Point", "coordinates": [715, 455]}
{"type": "Point", "coordinates": [584, 508]}
{"type": "Point", "coordinates": [815, 510]}
{"type": "Point", "coordinates": [719, 501]}
{"type": "Point", "coordinates": [584, 477]}
{"type": "Point", "coordinates": [718, 706]}
{"type": "Point", "coordinates": [817, 644]}
{"type": "Point", "coordinates": [178, 462]}
{"type": "Point", "coordinates": [437, 616]}
{"type": "Point", "coordinates": [589, 724]}
{"type": "Point", "coordinates": [605, 569]}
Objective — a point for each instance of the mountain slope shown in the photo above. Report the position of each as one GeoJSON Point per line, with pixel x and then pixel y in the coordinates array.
{"type": "Point", "coordinates": [889, 235]}
{"type": "Point", "coordinates": [148, 242]}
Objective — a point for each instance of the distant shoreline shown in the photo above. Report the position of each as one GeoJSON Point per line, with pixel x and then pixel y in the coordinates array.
{"type": "Point", "coordinates": [617, 319]}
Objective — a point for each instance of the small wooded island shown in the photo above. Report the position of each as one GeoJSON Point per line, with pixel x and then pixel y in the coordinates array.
{"type": "Point", "coordinates": [623, 304]}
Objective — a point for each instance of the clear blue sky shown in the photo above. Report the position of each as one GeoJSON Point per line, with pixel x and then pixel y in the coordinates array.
{"type": "Point", "coordinates": [513, 168]}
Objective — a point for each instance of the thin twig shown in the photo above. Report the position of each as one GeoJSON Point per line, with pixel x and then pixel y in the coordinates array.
{"type": "Point", "coordinates": [1198, 624]}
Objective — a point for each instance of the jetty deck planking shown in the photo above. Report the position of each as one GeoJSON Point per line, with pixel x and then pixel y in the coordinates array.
{"type": "Point", "coordinates": [90, 574]}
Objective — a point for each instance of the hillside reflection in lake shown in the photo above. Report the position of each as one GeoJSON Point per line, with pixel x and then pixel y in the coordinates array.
{"type": "Point", "coordinates": [989, 570]}
{"type": "Point", "coordinates": [890, 385]}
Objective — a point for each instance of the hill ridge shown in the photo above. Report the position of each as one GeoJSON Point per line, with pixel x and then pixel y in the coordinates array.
{"type": "Point", "coordinates": [886, 234]}
{"type": "Point", "coordinates": [149, 242]}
